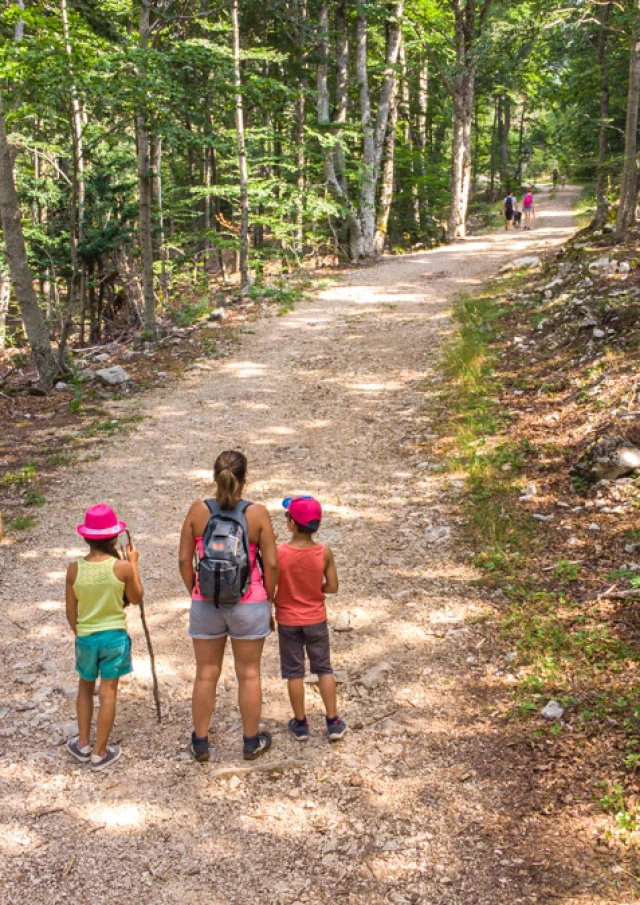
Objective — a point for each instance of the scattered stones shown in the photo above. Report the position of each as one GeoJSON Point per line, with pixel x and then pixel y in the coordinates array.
{"type": "Point", "coordinates": [113, 377]}
{"type": "Point", "coordinates": [527, 261]}
{"type": "Point", "coordinates": [552, 711]}
{"type": "Point", "coordinates": [609, 457]}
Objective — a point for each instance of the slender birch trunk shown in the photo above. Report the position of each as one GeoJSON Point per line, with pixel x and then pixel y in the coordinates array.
{"type": "Point", "coordinates": [342, 90]}
{"type": "Point", "coordinates": [627, 208]}
{"type": "Point", "coordinates": [145, 188]}
{"type": "Point", "coordinates": [164, 279]}
{"type": "Point", "coordinates": [21, 278]}
{"type": "Point", "coordinates": [242, 154]}
{"type": "Point", "coordinates": [374, 134]}
{"type": "Point", "coordinates": [333, 183]}
{"type": "Point", "coordinates": [387, 178]}
{"type": "Point", "coordinates": [603, 143]}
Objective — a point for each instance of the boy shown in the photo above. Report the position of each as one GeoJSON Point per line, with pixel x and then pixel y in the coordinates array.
{"type": "Point", "coordinates": [307, 574]}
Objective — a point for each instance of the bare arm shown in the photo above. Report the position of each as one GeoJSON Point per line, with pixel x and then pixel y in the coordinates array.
{"type": "Point", "coordinates": [330, 585]}
{"type": "Point", "coordinates": [71, 601]}
{"type": "Point", "coordinates": [268, 552]}
{"type": "Point", "coordinates": [187, 546]}
{"type": "Point", "coordinates": [127, 570]}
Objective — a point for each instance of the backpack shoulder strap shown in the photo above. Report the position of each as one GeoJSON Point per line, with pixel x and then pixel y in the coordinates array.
{"type": "Point", "coordinates": [213, 506]}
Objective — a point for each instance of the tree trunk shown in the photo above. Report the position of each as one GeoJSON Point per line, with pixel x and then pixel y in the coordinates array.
{"type": "Point", "coordinates": [242, 154]}
{"type": "Point", "coordinates": [5, 295]}
{"type": "Point", "coordinates": [627, 208]}
{"type": "Point", "coordinates": [36, 329]}
{"type": "Point", "coordinates": [164, 280]}
{"type": "Point", "coordinates": [332, 182]}
{"type": "Point", "coordinates": [373, 137]}
{"type": "Point", "coordinates": [77, 214]}
{"type": "Point", "coordinates": [603, 144]}
{"type": "Point", "coordinates": [145, 189]}
{"type": "Point", "coordinates": [387, 182]}
{"type": "Point", "coordinates": [494, 134]}
{"type": "Point", "coordinates": [342, 90]}
{"type": "Point", "coordinates": [423, 100]}
{"type": "Point", "coordinates": [521, 143]}
{"type": "Point", "coordinates": [504, 126]}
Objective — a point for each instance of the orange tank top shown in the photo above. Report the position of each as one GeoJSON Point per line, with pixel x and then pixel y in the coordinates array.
{"type": "Point", "coordinates": [299, 598]}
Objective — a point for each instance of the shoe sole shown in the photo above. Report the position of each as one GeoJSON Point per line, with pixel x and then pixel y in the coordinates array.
{"type": "Point", "coordinates": [200, 758]}
{"type": "Point", "coordinates": [300, 738]}
{"type": "Point", "coordinates": [259, 752]}
{"type": "Point", "coordinates": [81, 758]}
{"type": "Point", "coordinates": [334, 737]}
{"type": "Point", "coordinates": [96, 768]}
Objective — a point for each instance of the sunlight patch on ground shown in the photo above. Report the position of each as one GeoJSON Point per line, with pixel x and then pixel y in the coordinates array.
{"type": "Point", "coordinates": [244, 369]}
{"type": "Point", "coordinates": [15, 839]}
{"type": "Point", "coordinates": [117, 815]}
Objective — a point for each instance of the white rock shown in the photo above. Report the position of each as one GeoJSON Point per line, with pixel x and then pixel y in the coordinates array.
{"type": "Point", "coordinates": [375, 675]}
{"type": "Point", "coordinates": [527, 261]}
{"type": "Point", "coordinates": [624, 267]}
{"type": "Point", "coordinates": [598, 333]}
{"type": "Point", "coordinates": [342, 622]}
{"type": "Point", "coordinates": [594, 527]}
{"type": "Point", "coordinates": [511, 656]}
{"type": "Point", "coordinates": [542, 518]}
{"type": "Point", "coordinates": [600, 264]}
{"type": "Point", "coordinates": [60, 385]}
{"type": "Point", "coordinates": [552, 711]}
{"type": "Point", "coordinates": [113, 377]}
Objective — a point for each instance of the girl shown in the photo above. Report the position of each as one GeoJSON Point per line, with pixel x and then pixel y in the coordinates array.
{"type": "Point", "coordinates": [95, 590]}
{"type": "Point", "coordinates": [247, 623]}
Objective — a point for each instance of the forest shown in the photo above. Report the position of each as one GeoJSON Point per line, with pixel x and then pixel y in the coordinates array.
{"type": "Point", "coordinates": [152, 151]}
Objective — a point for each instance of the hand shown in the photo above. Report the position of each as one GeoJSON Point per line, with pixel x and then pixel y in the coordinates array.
{"type": "Point", "coordinates": [133, 554]}
{"type": "Point", "coordinates": [272, 624]}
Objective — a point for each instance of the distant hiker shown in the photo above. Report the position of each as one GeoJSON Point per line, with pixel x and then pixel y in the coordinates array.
{"type": "Point", "coordinates": [555, 177]}
{"type": "Point", "coordinates": [307, 574]}
{"type": "Point", "coordinates": [563, 180]}
{"type": "Point", "coordinates": [529, 209]}
{"type": "Point", "coordinates": [509, 206]}
{"type": "Point", "coordinates": [95, 590]}
{"type": "Point", "coordinates": [230, 597]}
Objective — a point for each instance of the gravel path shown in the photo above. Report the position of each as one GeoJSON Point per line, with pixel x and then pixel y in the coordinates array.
{"type": "Point", "coordinates": [329, 400]}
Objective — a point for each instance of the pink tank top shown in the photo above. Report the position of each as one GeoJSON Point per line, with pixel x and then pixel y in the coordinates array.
{"type": "Point", "coordinates": [257, 591]}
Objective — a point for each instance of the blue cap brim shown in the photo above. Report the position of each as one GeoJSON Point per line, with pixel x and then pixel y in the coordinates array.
{"type": "Point", "coordinates": [288, 500]}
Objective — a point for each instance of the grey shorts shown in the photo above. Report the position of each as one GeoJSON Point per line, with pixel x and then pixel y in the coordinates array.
{"type": "Point", "coordinates": [294, 640]}
{"type": "Point", "coordinates": [244, 621]}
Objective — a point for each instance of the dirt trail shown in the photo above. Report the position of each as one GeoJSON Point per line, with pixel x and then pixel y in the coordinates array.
{"type": "Point", "coordinates": [326, 400]}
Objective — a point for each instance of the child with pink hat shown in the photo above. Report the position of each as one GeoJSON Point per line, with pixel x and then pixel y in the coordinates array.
{"type": "Point", "coordinates": [96, 587]}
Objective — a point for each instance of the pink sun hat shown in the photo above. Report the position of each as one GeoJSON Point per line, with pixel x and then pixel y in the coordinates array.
{"type": "Point", "coordinates": [101, 523]}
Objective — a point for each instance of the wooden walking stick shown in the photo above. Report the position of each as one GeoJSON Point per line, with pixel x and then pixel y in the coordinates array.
{"type": "Point", "coordinates": [145, 628]}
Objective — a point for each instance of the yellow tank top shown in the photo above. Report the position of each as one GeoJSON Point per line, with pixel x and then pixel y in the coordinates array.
{"type": "Point", "coordinates": [100, 597]}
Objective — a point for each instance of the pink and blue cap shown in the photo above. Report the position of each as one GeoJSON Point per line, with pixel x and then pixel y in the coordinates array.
{"type": "Point", "coordinates": [304, 510]}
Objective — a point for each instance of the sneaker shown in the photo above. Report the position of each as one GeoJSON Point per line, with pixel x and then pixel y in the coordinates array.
{"type": "Point", "coordinates": [199, 747]}
{"type": "Point", "coordinates": [256, 746]}
{"type": "Point", "coordinates": [111, 754]}
{"type": "Point", "coordinates": [299, 730]}
{"type": "Point", "coordinates": [75, 749]}
{"type": "Point", "coordinates": [336, 728]}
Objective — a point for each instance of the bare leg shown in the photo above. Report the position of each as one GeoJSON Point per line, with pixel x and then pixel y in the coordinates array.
{"type": "Point", "coordinates": [296, 696]}
{"type": "Point", "coordinates": [84, 709]}
{"type": "Point", "coordinates": [106, 714]}
{"type": "Point", "coordinates": [327, 686]}
{"type": "Point", "coordinates": [247, 656]}
{"type": "Point", "coordinates": [209, 657]}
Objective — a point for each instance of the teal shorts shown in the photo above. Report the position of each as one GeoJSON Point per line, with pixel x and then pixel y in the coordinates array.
{"type": "Point", "coordinates": [107, 654]}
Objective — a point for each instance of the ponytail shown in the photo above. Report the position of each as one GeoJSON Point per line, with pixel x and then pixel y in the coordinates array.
{"type": "Point", "coordinates": [229, 472]}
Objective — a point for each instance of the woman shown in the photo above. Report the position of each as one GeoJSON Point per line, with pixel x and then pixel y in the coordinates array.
{"type": "Point", "coordinates": [247, 623]}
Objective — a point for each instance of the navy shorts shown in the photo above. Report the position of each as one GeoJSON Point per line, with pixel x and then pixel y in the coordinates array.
{"type": "Point", "coordinates": [294, 640]}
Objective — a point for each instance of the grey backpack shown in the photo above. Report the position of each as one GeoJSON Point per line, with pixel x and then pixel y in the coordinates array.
{"type": "Point", "coordinates": [224, 570]}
